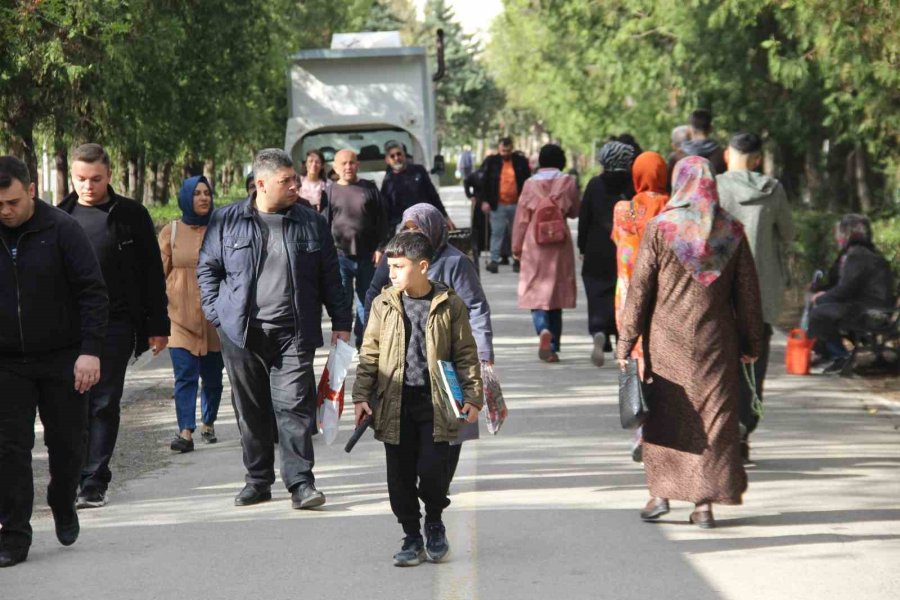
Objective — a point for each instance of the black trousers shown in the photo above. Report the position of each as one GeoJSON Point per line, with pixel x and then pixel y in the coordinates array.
{"type": "Point", "coordinates": [272, 375]}
{"type": "Point", "coordinates": [601, 299]}
{"type": "Point", "coordinates": [417, 467]}
{"type": "Point", "coordinates": [826, 320]}
{"type": "Point", "coordinates": [760, 367]}
{"type": "Point", "coordinates": [45, 384]}
{"type": "Point", "coordinates": [105, 406]}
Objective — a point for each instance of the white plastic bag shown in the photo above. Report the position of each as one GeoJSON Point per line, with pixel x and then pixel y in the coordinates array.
{"type": "Point", "coordinates": [330, 397]}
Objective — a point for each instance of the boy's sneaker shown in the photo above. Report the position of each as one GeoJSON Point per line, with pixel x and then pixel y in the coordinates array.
{"type": "Point", "coordinates": [91, 499]}
{"type": "Point", "coordinates": [209, 436]}
{"type": "Point", "coordinates": [597, 355]}
{"type": "Point", "coordinates": [412, 553]}
{"type": "Point", "coordinates": [436, 545]}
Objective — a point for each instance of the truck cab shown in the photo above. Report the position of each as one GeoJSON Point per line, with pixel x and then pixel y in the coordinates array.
{"type": "Point", "coordinates": [367, 89]}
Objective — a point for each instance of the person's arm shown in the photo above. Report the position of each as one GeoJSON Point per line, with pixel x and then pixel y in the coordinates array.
{"type": "Point", "coordinates": [465, 282]}
{"type": "Point", "coordinates": [852, 278]}
{"type": "Point", "coordinates": [747, 301]}
{"type": "Point", "coordinates": [465, 355]}
{"type": "Point", "coordinates": [784, 220]}
{"type": "Point", "coordinates": [165, 249]}
{"type": "Point", "coordinates": [379, 280]}
{"type": "Point", "coordinates": [573, 198]}
{"type": "Point", "coordinates": [367, 366]}
{"type": "Point", "coordinates": [330, 289]}
{"type": "Point", "coordinates": [521, 222]}
{"type": "Point", "coordinates": [153, 282]}
{"type": "Point", "coordinates": [379, 210]}
{"type": "Point", "coordinates": [432, 195]}
{"type": "Point", "coordinates": [84, 277]}
{"type": "Point", "coordinates": [211, 268]}
{"type": "Point", "coordinates": [641, 297]}
{"type": "Point", "coordinates": [585, 215]}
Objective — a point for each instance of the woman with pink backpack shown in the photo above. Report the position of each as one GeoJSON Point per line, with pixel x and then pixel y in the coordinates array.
{"type": "Point", "coordinates": [542, 241]}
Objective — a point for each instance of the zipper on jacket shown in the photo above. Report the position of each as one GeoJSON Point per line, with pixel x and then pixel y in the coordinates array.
{"type": "Point", "coordinates": [291, 280]}
{"type": "Point", "coordinates": [257, 230]}
{"type": "Point", "coordinates": [18, 291]}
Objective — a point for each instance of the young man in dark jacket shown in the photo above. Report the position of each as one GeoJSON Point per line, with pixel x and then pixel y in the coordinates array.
{"type": "Point", "coordinates": [266, 266]}
{"type": "Point", "coordinates": [124, 240]}
{"type": "Point", "coordinates": [406, 184]}
{"type": "Point", "coordinates": [504, 175]}
{"type": "Point", "coordinates": [53, 310]}
{"type": "Point", "coordinates": [700, 143]}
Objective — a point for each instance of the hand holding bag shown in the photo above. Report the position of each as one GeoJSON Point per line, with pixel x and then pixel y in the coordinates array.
{"type": "Point", "coordinates": [632, 406]}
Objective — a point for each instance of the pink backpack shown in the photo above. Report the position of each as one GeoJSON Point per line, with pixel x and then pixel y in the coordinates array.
{"type": "Point", "coordinates": [550, 225]}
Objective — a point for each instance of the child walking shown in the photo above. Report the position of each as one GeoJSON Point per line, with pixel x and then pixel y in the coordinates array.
{"type": "Point", "coordinates": [413, 325]}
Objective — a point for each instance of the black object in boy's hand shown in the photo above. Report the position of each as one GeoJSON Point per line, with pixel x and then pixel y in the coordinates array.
{"type": "Point", "coordinates": [363, 425]}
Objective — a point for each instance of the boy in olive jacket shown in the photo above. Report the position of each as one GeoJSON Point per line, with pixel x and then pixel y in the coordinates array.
{"type": "Point", "coordinates": [413, 325]}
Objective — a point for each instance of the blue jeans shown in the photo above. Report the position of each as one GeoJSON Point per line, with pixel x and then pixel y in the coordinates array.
{"type": "Point", "coordinates": [356, 274]}
{"type": "Point", "coordinates": [502, 219]}
{"type": "Point", "coordinates": [551, 320]}
{"type": "Point", "coordinates": [189, 370]}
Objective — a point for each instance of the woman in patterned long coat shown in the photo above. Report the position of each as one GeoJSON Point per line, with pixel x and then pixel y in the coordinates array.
{"type": "Point", "coordinates": [694, 297]}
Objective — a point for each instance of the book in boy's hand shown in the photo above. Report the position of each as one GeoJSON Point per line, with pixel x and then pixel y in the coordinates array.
{"type": "Point", "coordinates": [451, 390]}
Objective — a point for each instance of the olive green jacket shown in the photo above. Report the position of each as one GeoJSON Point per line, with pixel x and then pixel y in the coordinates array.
{"type": "Point", "coordinates": [382, 358]}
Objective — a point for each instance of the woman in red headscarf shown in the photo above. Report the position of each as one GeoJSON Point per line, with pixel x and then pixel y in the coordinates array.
{"type": "Point", "coordinates": [630, 217]}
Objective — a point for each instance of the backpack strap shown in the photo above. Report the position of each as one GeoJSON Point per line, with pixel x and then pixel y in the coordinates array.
{"type": "Point", "coordinates": [172, 240]}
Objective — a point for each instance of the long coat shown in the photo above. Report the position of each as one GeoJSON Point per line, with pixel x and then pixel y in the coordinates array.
{"type": "Point", "coordinates": [693, 338]}
{"type": "Point", "coordinates": [547, 277]}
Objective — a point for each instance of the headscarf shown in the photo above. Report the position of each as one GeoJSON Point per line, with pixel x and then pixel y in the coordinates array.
{"type": "Point", "coordinates": [649, 173]}
{"type": "Point", "coordinates": [703, 236]}
{"type": "Point", "coordinates": [430, 221]}
{"type": "Point", "coordinates": [616, 157]}
{"type": "Point", "coordinates": [186, 201]}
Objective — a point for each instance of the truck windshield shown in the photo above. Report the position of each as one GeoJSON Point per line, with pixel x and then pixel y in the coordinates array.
{"type": "Point", "coordinates": [368, 144]}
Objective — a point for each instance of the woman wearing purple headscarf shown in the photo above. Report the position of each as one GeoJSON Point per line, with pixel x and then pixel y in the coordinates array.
{"type": "Point", "coordinates": [694, 297]}
{"type": "Point", "coordinates": [455, 269]}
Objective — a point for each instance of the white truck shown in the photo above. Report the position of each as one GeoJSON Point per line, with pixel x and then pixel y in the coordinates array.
{"type": "Point", "coordinates": [365, 90]}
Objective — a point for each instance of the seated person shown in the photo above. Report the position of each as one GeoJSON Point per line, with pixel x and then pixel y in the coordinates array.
{"type": "Point", "coordinates": [860, 279]}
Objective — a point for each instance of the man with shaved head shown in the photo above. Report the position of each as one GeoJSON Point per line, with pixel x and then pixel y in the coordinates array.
{"type": "Point", "coordinates": [266, 266]}
{"type": "Point", "coordinates": [358, 219]}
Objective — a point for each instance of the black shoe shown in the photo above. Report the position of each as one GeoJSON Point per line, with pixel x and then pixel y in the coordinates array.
{"type": "Point", "coordinates": [9, 558]}
{"type": "Point", "coordinates": [436, 545]}
{"type": "Point", "coordinates": [306, 495]}
{"type": "Point", "coordinates": [491, 267]}
{"type": "Point", "coordinates": [412, 553]}
{"type": "Point", "coordinates": [209, 436]}
{"type": "Point", "coordinates": [92, 499]}
{"type": "Point", "coordinates": [67, 527]}
{"type": "Point", "coordinates": [837, 366]}
{"type": "Point", "coordinates": [251, 495]}
{"type": "Point", "coordinates": [504, 260]}
{"type": "Point", "coordinates": [517, 266]}
{"type": "Point", "coordinates": [180, 444]}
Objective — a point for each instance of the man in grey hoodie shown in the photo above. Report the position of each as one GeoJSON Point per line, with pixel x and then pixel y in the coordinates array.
{"type": "Point", "coordinates": [760, 203]}
{"type": "Point", "coordinates": [699, 143]}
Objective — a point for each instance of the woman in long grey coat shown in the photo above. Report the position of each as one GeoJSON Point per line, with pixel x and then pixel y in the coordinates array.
{"type": "Point", "coordinates": [694, 297]}
{"type": "Point", "coordinates": [453, 268]}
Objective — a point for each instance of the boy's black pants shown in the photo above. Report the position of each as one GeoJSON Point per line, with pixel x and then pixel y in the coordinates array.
{"type": "Point", "coordinates": [417, 467]}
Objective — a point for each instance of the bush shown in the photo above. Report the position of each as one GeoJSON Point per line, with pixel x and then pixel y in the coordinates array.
{"type": "Point", "coordinates": [162, 214]}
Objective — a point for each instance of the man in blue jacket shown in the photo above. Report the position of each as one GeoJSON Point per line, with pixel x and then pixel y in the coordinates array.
{"type": "Point", "coordinates": [53, 311]}
{"type": "Point", "coordinates": [267, 265]}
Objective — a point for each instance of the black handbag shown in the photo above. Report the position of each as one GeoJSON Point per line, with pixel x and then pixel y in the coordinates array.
{"type": "Point", "coordinates": [632, 405]}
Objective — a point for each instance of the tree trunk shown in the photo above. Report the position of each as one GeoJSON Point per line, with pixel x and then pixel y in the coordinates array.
{"type": "Point", "coordinates": [150, 191]}
{"type": "Point", "coordinates": [815, 190]}
{"type": "Point", "coordinates": [141, 176]}
{"type": "Point", "coordinates": [61, 160]}
{"type": "Point", "coordinates": [162, 184]}
{"type": "Point", "coordinates": [131, 188]}
{"type": "Point", "coordinates": [861, 175]}
{"type": "Point", "coordinates": [209, 171]}
{"type": "Point", "coordinates": [25, 131]}
{"type": "Point", "coordinates": [124, 173]}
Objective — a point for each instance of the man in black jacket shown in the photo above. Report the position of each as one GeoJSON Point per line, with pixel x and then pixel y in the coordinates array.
{"type": "Point", "coordinates": [504, 175]}
{"type": "Point", "coordinates": [124, 240]}
{"type": "Point", "coordinates": [53, 310]}
{"type": "Point", "coordinates": [406, 184]}
{"type": "Point", "coordinates": [266, 266]}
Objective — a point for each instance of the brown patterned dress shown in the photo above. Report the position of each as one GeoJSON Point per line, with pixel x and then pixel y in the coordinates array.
{"type": "Point", "coordinates": [693, 337]}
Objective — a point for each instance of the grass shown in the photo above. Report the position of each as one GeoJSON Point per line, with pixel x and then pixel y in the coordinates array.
{"type": "Point", "coordinates": [162, 214]}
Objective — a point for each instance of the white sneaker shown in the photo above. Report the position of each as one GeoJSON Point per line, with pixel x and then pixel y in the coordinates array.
{"type": "Point", "coordinates": [597, 356]}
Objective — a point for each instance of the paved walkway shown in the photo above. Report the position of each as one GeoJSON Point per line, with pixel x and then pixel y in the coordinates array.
{"type": "Point", "coordinates": [546, 509]}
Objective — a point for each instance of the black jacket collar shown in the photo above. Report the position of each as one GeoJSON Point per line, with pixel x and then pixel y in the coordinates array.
{"type": "Point", "coordinates": [68, 203]}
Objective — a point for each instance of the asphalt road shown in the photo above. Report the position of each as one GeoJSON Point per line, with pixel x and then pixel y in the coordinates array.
{"type": "Point", "coordinates": [546, 509]}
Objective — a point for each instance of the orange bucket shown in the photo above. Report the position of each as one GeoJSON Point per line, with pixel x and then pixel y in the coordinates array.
{"type": "Point", "coordinates": [799, 347]}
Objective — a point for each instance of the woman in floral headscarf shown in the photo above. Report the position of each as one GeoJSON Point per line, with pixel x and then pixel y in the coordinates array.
{"type": "Point", "coordinates": [694, 297]}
